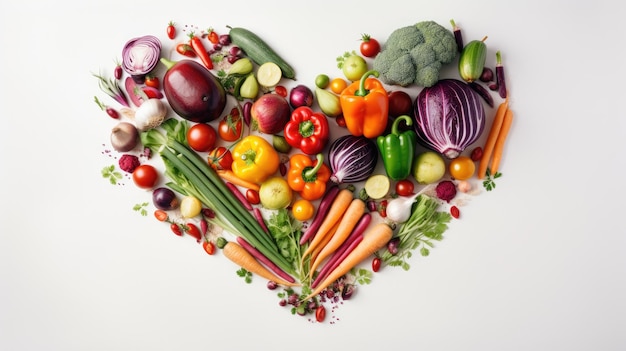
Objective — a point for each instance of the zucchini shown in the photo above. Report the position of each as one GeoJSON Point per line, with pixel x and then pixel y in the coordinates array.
{"type": "Point", "coordinates": [258, 51]}
{"type": "Point", "coordinates": [472, 60]}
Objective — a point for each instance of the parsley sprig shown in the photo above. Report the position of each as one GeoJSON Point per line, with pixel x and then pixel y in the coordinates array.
{"type": "Point", "coordinates": [489, 182]}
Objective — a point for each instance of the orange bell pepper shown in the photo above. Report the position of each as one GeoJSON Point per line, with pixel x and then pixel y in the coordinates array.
{"type": "Point", "coordinates": [365, 106]}
{"type": "Point", "coordinates": [308, 177]}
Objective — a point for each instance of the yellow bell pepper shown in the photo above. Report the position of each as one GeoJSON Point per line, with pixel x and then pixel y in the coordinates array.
{"type": "Point", "coordinates": [254, 159]}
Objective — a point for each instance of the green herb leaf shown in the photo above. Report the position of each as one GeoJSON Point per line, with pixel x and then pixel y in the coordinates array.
{"type": "Point", "coordinates": [111, 174]}
{"type": "Point", "coordinates": [141, 208]}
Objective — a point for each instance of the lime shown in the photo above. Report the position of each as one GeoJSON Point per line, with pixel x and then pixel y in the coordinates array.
{"type": "Point", "coordinates": [322, 81]}
{"type": "Point", "coordinates": [269, 74]}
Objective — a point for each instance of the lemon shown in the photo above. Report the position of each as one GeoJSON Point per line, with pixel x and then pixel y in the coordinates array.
{"type": "Point", "coordinates": [377, 186]}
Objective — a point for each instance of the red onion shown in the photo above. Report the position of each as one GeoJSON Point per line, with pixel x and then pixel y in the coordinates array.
{"type": "Point", "coordinates": [300, 95]}
{"type": "Point", "coordinates": [449, 117]}
{"type": "Point", "coordinates": [140, 55]}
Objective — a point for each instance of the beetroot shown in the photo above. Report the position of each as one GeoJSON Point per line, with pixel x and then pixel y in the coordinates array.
{"type": "Point", "coordinates": [446, 190]}
{"type": "Point", "coordinates": [128, 163]}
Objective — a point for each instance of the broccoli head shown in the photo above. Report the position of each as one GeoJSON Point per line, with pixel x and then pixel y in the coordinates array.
{"type": "Point", "coordinates": [416, 54]}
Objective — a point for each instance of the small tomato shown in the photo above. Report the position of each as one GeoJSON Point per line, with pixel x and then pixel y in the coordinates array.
{"type": "Point", "coordinates": [220, 158]}
{"type": "Point", "coordinates": [201, 137]}
{"type": "Point", "coordinates": [145, 176]}
{"type": "Point", "coordinates": [253, 196]}
{"type": "Point", "coordinates": [462, 168]}
{"type": "Point", "coordinates": [152, 81]}
{"type": "Point", "coordinates": [404, 187]}
{"type": "Point", "coordinates": [302, 210]}
{"type": "Point", "coordinates": [230, 127]}
{"type": "Point", "coordinates": [337, 85]}
{"type": "Point", "coordinates": [369, 47]}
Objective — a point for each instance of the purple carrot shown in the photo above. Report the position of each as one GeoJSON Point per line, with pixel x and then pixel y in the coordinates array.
{"type": "Point", "coordinates": [500, 76]}
{"type": "Point", "coordinates": [263, 259]}
{"type": "Point", "coordinates": [322, 211]}
{"type": "Point", "coordinates": [247, 114]}
{"type": "Point", "coordinates": [259, 218]}
{"type": "Point", "coordinates": [482, 92]}
{"type": "Point", "coordinates": [346, 247]}
{"type": "Point", "coordinates": [233, 189]}
{"type": "Point", "coordinates": [457, 35]}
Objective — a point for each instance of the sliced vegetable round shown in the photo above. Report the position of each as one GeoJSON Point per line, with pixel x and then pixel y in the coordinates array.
{"type": "Point", "coordinates": [377, 186]}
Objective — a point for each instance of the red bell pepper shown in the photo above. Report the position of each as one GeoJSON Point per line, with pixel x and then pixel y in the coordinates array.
{"type": "Point", "coordinates": [307, 130]}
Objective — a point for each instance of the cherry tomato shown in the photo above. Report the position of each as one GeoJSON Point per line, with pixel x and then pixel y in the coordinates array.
{"type": "Point", "coordinates": [201, 137]}
{"type": "Point", "coordinates": [176, 229]}
{"type": "Point", "coordinates": [185, 50]}
{"type": "Point", "coordinates": [281, 90]}
{"type": "Point", "coordinates": [161, 215]}
{"type": "Point", "coordinates": [208, 247]}
{"type": "Point", "coordinates": [337, 85]}
{"type": "Point", "coordinates": [230, 126]}
{"type": "Point", "coordinates": [145, 176]}
{"type": "Point", "coordinates": [369, 47]}
{"type": "Point", "coordinates": [462, 168]}
{"type": "Point", "coordinates": [302, 210]}
{"type": "Point", "coordinates": [340, 121]}
{"type": "Point", "coordinates": [153, 81]}
{"type": "Point", "coordinates": [171, 30]}
{"type": "Point", "coordinates": [382, 208]}
{"type": "Point", "coordinates": [320, 313]}
{"type": "Point", "coordinates": [400, 103]}
{"type": "Point", "coordinates": [455, 212]}
{"type": "Point", "coordinates": [193, 230]}
{"type": "Point", "coordinates": [213, 37]}
{"type": "Point", "coordinates": [376, 262]}
{"type": "Point", "coordinates": [253, 196]}
{"type": "Point", "coordinates": [404, 187]}
{"type": "Point", "coordinates": [220, 158]}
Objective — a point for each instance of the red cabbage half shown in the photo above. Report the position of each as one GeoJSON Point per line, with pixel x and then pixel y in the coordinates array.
{"type": "Point", "coordinates": [449, 117]}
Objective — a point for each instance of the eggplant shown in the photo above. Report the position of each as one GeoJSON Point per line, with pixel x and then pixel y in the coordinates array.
{"type": "Point", "coordinates": [193, 91]}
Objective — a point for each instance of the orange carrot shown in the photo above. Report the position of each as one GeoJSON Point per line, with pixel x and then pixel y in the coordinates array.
{"type": "Point", "coordinates": [376, 237]}
{"type": "Point", "coordinates": [491, 138]}
{"type": "Point", "coordinates": [229, 176]}
{"type": "Point", "coordinates": [346, 225]}
{"type": "Point", "coordinates": [319, 247]}
{"type": "Point", "coordinates": [245, 260]}
{"type": "Point", "coordinates": [336, 211]}
{"type": "Point", "coordinates": [499, 147]}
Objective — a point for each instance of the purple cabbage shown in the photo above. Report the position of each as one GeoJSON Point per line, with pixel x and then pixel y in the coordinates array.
{"type": "Point", "coordinates": [352, 159]}
{"type": "Point", "coordinates": [449, 117]}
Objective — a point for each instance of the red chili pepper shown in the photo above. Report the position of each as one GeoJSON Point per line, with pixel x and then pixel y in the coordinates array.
{"type": "Point", "coordinates": [198, 47]}
{"type": "Point", "coordinates": [307, 130]}
{"type": "Point", "coordinates": [193, 230]}
{"type": "Point", "coordinates": [185, 50]}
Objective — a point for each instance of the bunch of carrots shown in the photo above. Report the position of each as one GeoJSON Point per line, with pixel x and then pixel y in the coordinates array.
{"type": "Point", "coordinates": [494, 146]}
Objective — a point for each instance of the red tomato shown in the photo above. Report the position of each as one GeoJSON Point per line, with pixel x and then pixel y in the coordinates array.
{"type": "Point", "coordinates": [176, 229]}
{"type": "Point", "coordinates": [161, 215]}
{"type": "Point", "coordinates": [370, 47]}
{"type": "Point", "coordinates": [281, 90]}
{"type": "Point", "coordinates": [185, 50]}
{"type": "Point", "coordinates": [400, 103]}
{"type": "Point", "coordinates": [145, 176]}
{"type": "Point", "coordinates": [213, 37]}
{"type": "Point", "coordinates": [220, 158]}
{"type": "Point", "coordinates": [320, 313]}
{"type": "Point", "coordinates": [376, 264]}
{"type": "Point", "coordinates": [230, 126]}
{"type": "Point", "coordinates": [208, 247]}
{"type": "Point", "coordinates": [253, 196]}
{"type": "Point", "coordinates": [171, 30]}
{"type": "Point", "coordinates": [405, 187]}
{"type": "Point", "coordinates": [153, 81]}
{"type": "Point", "coordinates": [340, 121]}
{"type": "Point", "coordinates": [201, 137]}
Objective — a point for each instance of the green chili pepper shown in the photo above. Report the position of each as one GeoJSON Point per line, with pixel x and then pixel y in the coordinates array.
{"type": "Point", "coordinates": [397, 149]}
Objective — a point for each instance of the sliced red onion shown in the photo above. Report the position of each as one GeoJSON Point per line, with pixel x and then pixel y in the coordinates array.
{"type": "Point", "coordinates": [140, 55]}
{"type": "Point", "coordinates": [449, 117]}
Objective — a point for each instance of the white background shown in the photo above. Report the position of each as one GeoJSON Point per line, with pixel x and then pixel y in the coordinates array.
{"type": "Point", "coordinates": [537, 264]}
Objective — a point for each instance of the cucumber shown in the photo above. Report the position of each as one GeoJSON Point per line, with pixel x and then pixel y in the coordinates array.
{"type": "Point", "coordinates": [472, 60]}
{"type": "Point", "coordinates": [258, 51]}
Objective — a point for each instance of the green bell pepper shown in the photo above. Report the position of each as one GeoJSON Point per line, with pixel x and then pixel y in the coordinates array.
{"type": "Point", "coordinates": [398, 149]}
